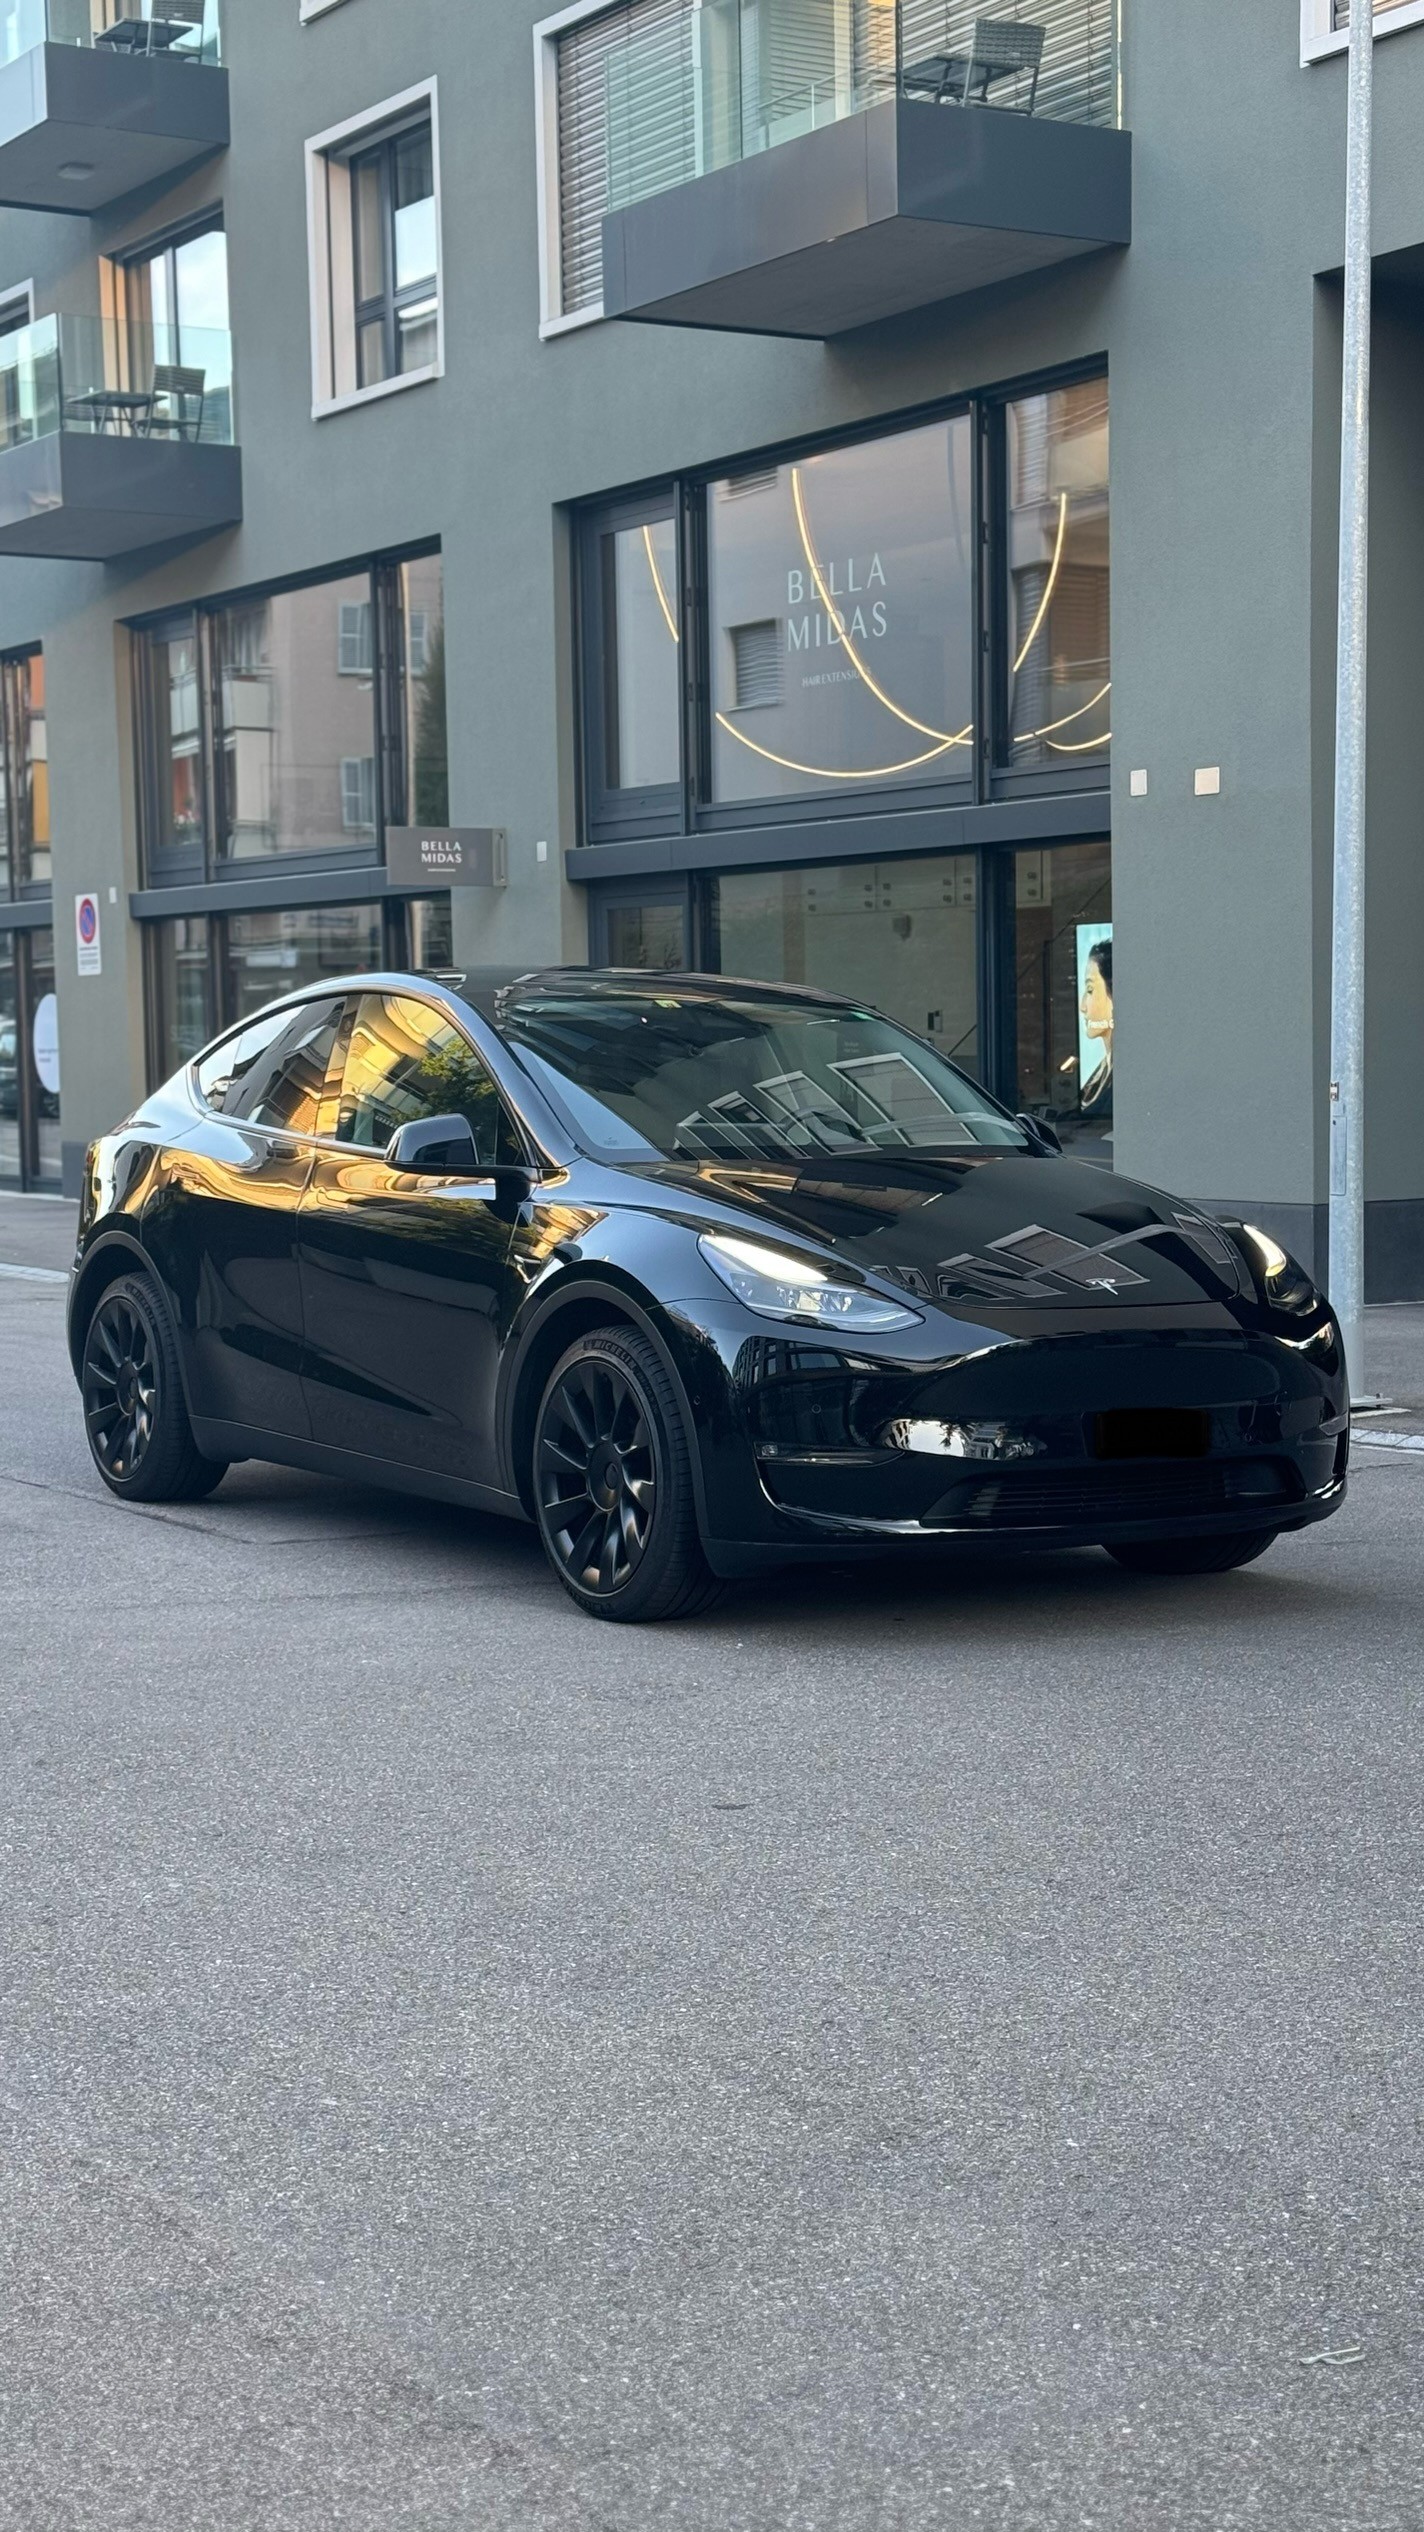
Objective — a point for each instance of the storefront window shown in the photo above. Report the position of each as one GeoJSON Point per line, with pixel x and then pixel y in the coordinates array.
{"type": "Point", "coordinates": [1060, 675]}
{"type": "Point", "coordinates": [265, 955]}
{"type": "Point", "coordinates": [421, 675]}
{"type": "Point", "coordinates": [45, 1163]}
{"type": "Point", "coordinates": [297, 745]}
{"type": "Point", "coordinates": [9, 1061]}
{"type": "Point", "coordinates": [641, 664]}
{"type": "Point", "coordinates": [177, 822]}
{"type": "Point", "coordinates": [900, 936]}
{"type": "Point", "coordinates": [842, 618]}
{"type": "Point", "coordinates": [1064, 991]}
{"type": "Point", "coordinates": [649, 935]}
{"type": "Point", "coordinates": [184, 1016]}
{"type": "Point", "coordinates": [24, 776]}
{"type": "Point", "coordinates": [431, 933]}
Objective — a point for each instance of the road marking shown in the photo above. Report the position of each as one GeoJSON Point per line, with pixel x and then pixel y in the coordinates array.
{"type": "Point", "coordinates": [35, 1274]}
{"type": "Point", "coordinates": [1389, 1441]}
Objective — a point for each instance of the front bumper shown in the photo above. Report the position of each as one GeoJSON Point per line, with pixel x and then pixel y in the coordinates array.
{"type": "Point", "coordinates": [796, 1463]}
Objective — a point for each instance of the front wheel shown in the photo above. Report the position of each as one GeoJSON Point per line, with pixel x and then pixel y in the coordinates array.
{"type": "Point", "coordinates": [1194, 1556]}
{"type": "Point", "coordinates": [135, 1414]}
{"type": "Point", "coordinates": [613, 1484]}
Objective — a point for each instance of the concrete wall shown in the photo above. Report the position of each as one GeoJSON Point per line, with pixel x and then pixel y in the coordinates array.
{"type": "Point", "coordinates": [1219, 342]}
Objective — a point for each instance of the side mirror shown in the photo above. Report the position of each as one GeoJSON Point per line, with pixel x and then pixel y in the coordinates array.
{"type": "Point", "coordinates": [1040, 1133]}
{"type": "Point", "coordinates": [436, 1147]}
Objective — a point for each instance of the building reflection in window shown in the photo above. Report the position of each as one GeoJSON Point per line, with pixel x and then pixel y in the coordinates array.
{"type": "Point", "coordinates": [1060, 673]}
{"type": "Point", "coordinates": [902, 936]}
{"type": "Point", "coordinates": [842, 618]}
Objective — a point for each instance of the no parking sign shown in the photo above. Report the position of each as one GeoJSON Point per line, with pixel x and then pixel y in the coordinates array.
{"type": "Point", "coordinates": [86, 934]}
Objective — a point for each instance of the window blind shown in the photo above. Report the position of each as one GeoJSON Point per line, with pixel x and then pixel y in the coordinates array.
{"type": "Point", "coordinates": [626, 126]}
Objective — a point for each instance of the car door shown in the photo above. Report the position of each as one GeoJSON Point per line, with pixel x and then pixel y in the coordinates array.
{"type": "Point", "coordinates": [408, 1283]}
{"type": "Point", "coordinates": [221, 1224]}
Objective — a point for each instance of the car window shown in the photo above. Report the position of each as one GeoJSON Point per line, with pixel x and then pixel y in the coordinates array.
{"type": "Point", "coordinates": [406, 1061]}
{"type": "Point", "coordinates": [223, 1073]}
{"type": "Point", "coordinates": [284, 1087]}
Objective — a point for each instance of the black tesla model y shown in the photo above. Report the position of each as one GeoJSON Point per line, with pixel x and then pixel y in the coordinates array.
{"type": "Point", "coordinates": [698, 1276]}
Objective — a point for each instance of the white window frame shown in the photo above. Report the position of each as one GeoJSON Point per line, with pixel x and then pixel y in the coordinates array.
{"type": "Point", "coordinates": [22, 295]}
{"type": "Point", "coordinates": [552, 320]}
{"type": "Point", "coordinates": [1319, 39]}
{"type": "Point", "coordinates": [317, 8]}
{"type": "Point", "coordinates": [333, 331]}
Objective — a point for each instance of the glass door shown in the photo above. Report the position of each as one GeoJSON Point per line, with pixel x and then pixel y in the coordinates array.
{"type": "Point", "coordinates": [9, 1064]}
{"type": "Point", "coordinates": [646, 926]}
{"type": "Point", "coordinates": [30, 1150]}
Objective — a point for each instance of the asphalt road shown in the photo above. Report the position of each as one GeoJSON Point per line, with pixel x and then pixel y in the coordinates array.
{"type": "Point", "coordinates": [895, 2054]}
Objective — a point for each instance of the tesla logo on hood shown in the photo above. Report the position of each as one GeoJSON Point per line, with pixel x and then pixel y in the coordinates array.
{"type": "Point", "coordinates": [1035, 1264]}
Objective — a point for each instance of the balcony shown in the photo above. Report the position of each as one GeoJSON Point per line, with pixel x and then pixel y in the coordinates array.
{"type": "Point", "coordinates": [804, 167]}
{"type": "Point", "coordinates": [114, 438]}
{"type": "Point", "coordinates": [98, 97]}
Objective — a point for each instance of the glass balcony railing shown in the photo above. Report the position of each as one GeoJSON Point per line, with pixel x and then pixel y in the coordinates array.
{"type": "Point", "coordinates": [177, 30]}
{"type": "Point", "coordinates": [706, 86]}
{"type": "Point", "coordinates": [106, 378]}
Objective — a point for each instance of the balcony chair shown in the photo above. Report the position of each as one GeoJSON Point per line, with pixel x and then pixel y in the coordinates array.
{"type": "Point", "coordinates": [1001, 48]}
{"type": "Point", "coordinates": [179, 397]}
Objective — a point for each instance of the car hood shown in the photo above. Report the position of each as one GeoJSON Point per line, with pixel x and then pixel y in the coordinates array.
{"type": "Point", "coordinates": [1010, 1229]}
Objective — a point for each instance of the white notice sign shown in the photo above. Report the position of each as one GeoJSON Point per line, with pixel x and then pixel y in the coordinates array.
{"type": "Point", "coordinates": [86, 934]}
{"type": "Point", "coordinates": [45, 1039]}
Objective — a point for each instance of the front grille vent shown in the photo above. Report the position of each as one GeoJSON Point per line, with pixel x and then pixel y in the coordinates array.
{"type": "Point", "coordinates": [1025, 1499]}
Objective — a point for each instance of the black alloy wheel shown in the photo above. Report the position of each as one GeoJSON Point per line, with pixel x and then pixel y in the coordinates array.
{"type": "Point", "coordinates": [135, 1414]}
{"type": "Point", "coordinates": [613, 1483]}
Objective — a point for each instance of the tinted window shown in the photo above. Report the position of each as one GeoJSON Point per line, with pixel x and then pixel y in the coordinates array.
{"type": "Point", "coordinates": [223, 1074]}
{"type": "Point", "coordinates": [737, 1077]}
{"type": "Point", "coordinates": [284, 1088]}
{"type": "Point", "coordinates": [405, 1062]}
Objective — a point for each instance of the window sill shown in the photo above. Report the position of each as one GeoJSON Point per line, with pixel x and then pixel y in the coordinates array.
{"type": "Point", "coordinates": [317, 8]}
{"type": "Point", "coordinates": [553, 326]}
{"type": "Point", "coordinates": [376, 395]}
{"type": "Point", "coordinates": [1319, 43]}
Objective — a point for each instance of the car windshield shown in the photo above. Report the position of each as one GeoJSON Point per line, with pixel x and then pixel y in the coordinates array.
{"type": "Point", "coordinates": [729, 1077]}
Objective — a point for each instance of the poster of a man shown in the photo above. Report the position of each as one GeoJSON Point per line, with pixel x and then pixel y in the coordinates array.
{"type": "Point", "coordinates": [1095, 1019]}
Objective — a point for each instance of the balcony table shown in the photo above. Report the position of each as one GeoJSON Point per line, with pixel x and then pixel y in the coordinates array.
{"type": "Point", "coordinates": [115, 409]}
{"type": "Point", "coordinates": [943, 76]}
{"type": "Point", "coordinates": [145, 35]}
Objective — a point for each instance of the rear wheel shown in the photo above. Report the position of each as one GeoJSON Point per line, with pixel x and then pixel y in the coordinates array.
{"type": "Point", "coordinates": [135, 1414]}
{"type": "Point", "coordinates": [1194, 1556]}
{"type": "Point", "coordinates": [613, 1484]}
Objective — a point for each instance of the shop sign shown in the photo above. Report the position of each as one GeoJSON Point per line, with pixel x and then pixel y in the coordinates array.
{"type": "Point", "coordinates": [447, 856]}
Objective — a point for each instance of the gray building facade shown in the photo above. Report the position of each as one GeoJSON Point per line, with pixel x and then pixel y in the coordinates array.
{"type": "Point", "coordinates": [851, 496]}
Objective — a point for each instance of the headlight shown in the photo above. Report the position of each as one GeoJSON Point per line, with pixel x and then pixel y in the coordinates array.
{"type": "Point", "coordinates": [1286, 1284]}
{"type": "Point", "coordinates": [784, 1287]}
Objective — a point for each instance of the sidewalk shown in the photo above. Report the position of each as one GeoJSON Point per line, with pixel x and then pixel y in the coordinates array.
{"type": "Point", "coordinates": [38, 1231]}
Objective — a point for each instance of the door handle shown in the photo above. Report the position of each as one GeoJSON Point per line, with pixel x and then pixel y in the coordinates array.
{"type": "Point", "coordinates": [276, 1150]}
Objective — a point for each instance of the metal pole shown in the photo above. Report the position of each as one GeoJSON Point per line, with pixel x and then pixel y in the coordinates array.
{"type": "Point", "coordinates": [1347, 983]}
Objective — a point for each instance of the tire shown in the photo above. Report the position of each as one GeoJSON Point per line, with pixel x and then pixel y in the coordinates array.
{"type": "Point", "coordinates": [613, 1484]}
{"type": "Point", "coordinates": [1194, 1556]}
{"type": "Point", "coordinates": [135, 1414]}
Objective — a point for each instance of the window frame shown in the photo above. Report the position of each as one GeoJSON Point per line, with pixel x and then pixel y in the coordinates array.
{"type": "Point", "coordinates": [1320, 38]}
{"type": "Point", "coordinates": [607, 819]}
{"type": "Point", "coordinates": [19, 831]}
{"type": "Point", "coordinates": [552, 318]}
{"type": "Point", "coordinates": [330, 249]}
{"type": "Point", "coordinates": [393, 777]}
